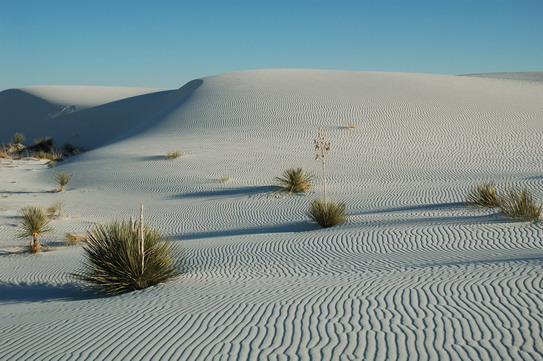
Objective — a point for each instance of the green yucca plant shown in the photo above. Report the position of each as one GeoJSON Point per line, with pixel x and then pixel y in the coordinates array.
{"type": "Point", "coordinates": [484, 195]}
{"type": "Point", "coordinates": [519, 204]}
{"type": "Point", "coordinates": [327, 213]}
{"type": "Point", "coordinates": [34, 222]}
{"type": "Point", "coordinates": [295, 180]}
{"type": "Point", "coordinates": [118, 261]}
{"type": "Point", "coordinates": [62, 179]}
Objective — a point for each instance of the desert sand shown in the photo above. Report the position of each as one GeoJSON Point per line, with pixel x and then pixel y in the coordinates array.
{"type": "Point", "coordinates": [414, 273]}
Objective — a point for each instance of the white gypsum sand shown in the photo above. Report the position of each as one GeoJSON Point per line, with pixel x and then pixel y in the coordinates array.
{"type": "Point", "coordinates": [414, 274]}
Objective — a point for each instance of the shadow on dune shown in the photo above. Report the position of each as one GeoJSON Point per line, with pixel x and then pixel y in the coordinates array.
{"type": "Point", "coordinates": [152, 158]}
{"type": "Point", "coordinates": [240, 191]}
{"type": "Point", "coordinates": [264, 229]}
{"type": "Point", "coordinates": [41, 292]}
{"type": "Point", "coordinates": [530, 259]}
{"type": "Point", "coordinates": [420, 207]}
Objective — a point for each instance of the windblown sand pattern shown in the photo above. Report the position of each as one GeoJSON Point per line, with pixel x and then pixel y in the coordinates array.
{"type": "Point", "coordinates": [414, 274]}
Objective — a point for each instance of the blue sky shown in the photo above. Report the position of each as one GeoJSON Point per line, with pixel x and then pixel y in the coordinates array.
{"type": "Point", "coordinates": [167, 43]}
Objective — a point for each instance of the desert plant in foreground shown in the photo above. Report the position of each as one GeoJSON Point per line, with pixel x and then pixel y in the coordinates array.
{"type": "Point", "coordinates": [173, 154]}
{"type": "Point", "coordinates": [295, 180]}
{"type": "Point", "coordinates": [62, 179]}
{"type": "Point", "coordinates": [484, 195]}
{"type": "Point", "coordinates": [519, 204]}
{"type": "Point", "coordinates": [34, 223]}
{"type": "Point", "coordinates": [327, 213]}
{"type": "Point", "coordinates": [123, 256]}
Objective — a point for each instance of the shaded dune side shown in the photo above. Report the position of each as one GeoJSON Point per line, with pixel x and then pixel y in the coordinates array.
{"type": "Point", "coordinates": [88, 128]}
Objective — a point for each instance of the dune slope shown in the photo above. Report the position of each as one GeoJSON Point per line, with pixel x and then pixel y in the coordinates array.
{"type": "Point", "coordinates": [414, 274]}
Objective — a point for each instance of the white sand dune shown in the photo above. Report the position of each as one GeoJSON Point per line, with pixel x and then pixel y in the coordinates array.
{"type": "Point", "coordinates": [413, 275]}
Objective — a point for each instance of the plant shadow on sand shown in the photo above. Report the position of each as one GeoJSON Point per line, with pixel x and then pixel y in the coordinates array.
{"type": "Point", "coordinates": [43, 292]}
{"type": "Point", "coordinates": [229, 192]}
{"type": "Point", "coordinates": [264, 229]}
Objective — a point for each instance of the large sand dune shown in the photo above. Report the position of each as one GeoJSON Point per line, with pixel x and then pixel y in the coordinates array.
{"type": "Point", "coordinates": [413, 275]}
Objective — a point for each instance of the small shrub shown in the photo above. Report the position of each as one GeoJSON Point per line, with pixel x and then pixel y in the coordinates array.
{"type": "Point", "coordinates": [18, 138]}
{"type": "Point", "coordinates": [62, 179]}
{"type": "Point", "coordinates": [42, 144]}
{"type": "Point", "coordinates": [519, 204]}
{"type": "Point", "coordinates": [174, 154]}
{"type": "Point", "coordinates": [73, 239]}
{"type": "Point", "coordinates": [327, 214]}
{"type": "Point", "coordinates": [54, 211]}
{"type": "Point", "coordinates": [52, 155]}
{"type": "Point", "coordinates": [295, 180]}
{"type": "Point", "coordinates": [113, 258]}
{"type": "Point", "coordinates": [70, 149]}
{"type": "Point", "coordinates": [484, 195]}
{"type": "Point", "coordinates": [34, 222]}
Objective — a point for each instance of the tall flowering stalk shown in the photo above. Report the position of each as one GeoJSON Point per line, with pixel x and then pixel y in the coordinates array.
{"type": "Point", "coordinates": [322, 148]}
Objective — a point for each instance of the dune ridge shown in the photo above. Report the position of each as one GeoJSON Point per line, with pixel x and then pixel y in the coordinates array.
{"type": "Point", "coordinates": [414, 274]}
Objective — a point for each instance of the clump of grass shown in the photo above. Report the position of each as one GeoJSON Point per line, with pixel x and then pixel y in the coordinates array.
{"type": "Point", "coordinates": [62, 179]}
{"type": "Point", "coordinates": [54, 211]}
{"type": "Point", "coordinates": [484, 195]}
{"type": "Point", "coordinates": [73, 239]}
{"type": "Point", "coordinates": [519, 204]}
{"type": "Point", "coordinates": [327, 213]}
{"type": "Point", "coordinates": [34, 222]}
{"type": "Point", "coordinates": [351, 126]}
{"type": "Point", "coordinates": [174, 154]}
{"type": "Point", "coordinates": [295, 180]}
{"type": "Point", "coordinates": [52, 155]}
{"type": "Point", "coordinates": [70, 149]}
{"type": "Point", "coordinates": [115, 262]}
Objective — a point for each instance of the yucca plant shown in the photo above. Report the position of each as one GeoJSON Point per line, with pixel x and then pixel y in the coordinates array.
{"type": "Point", "coordinates": [327, 213]}
{"type": "Point", "coordinates": [34, 223]}
{"type": "Point", "coordinates": [62, 178]}
{"type": "Point", "coordinates": [484, 195]}
{"type": "Point", "coordinates": [124, 256]}
{"type": "Point", "coordinates": [519, 204]}
{"type": "Point", "coordinates": [295, 180]}
{"type": "Point", "coordinates": [54, 211]}
{"type": "Point", "coordinates": [174, 154]}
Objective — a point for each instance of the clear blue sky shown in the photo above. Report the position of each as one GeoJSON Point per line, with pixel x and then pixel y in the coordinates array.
{"type": "Point", "coordinates": [167, 43]}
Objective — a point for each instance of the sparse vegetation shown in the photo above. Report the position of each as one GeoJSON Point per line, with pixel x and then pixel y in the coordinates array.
{"type": "Point", "coordinates": [70, 149]}
{"type": "Point", "coordinates": [73, 239]}
{"type": "Point", "coordinates": [62, 179]}
{"type": "Point", "coordinates": [327, 213]}
{"type": "Point", "coordinates": [18, 138]}
{"type": "Point", "coordinates": [34, 223]}
{"type": "Point", "coordinates": [295, 180]}
{"type": "Point", "coordinates": [225, 179]}
{"type": "Point", "coordinates": [173, 154]}
{"type": "Point", "coordinates": [54, 211]}
{"type": "Point", "coordinates": [127, 256]}
{"type": "Point", "coordinates": [484, 195]}
{"type": "Point", "coordinates": [519, 204]}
